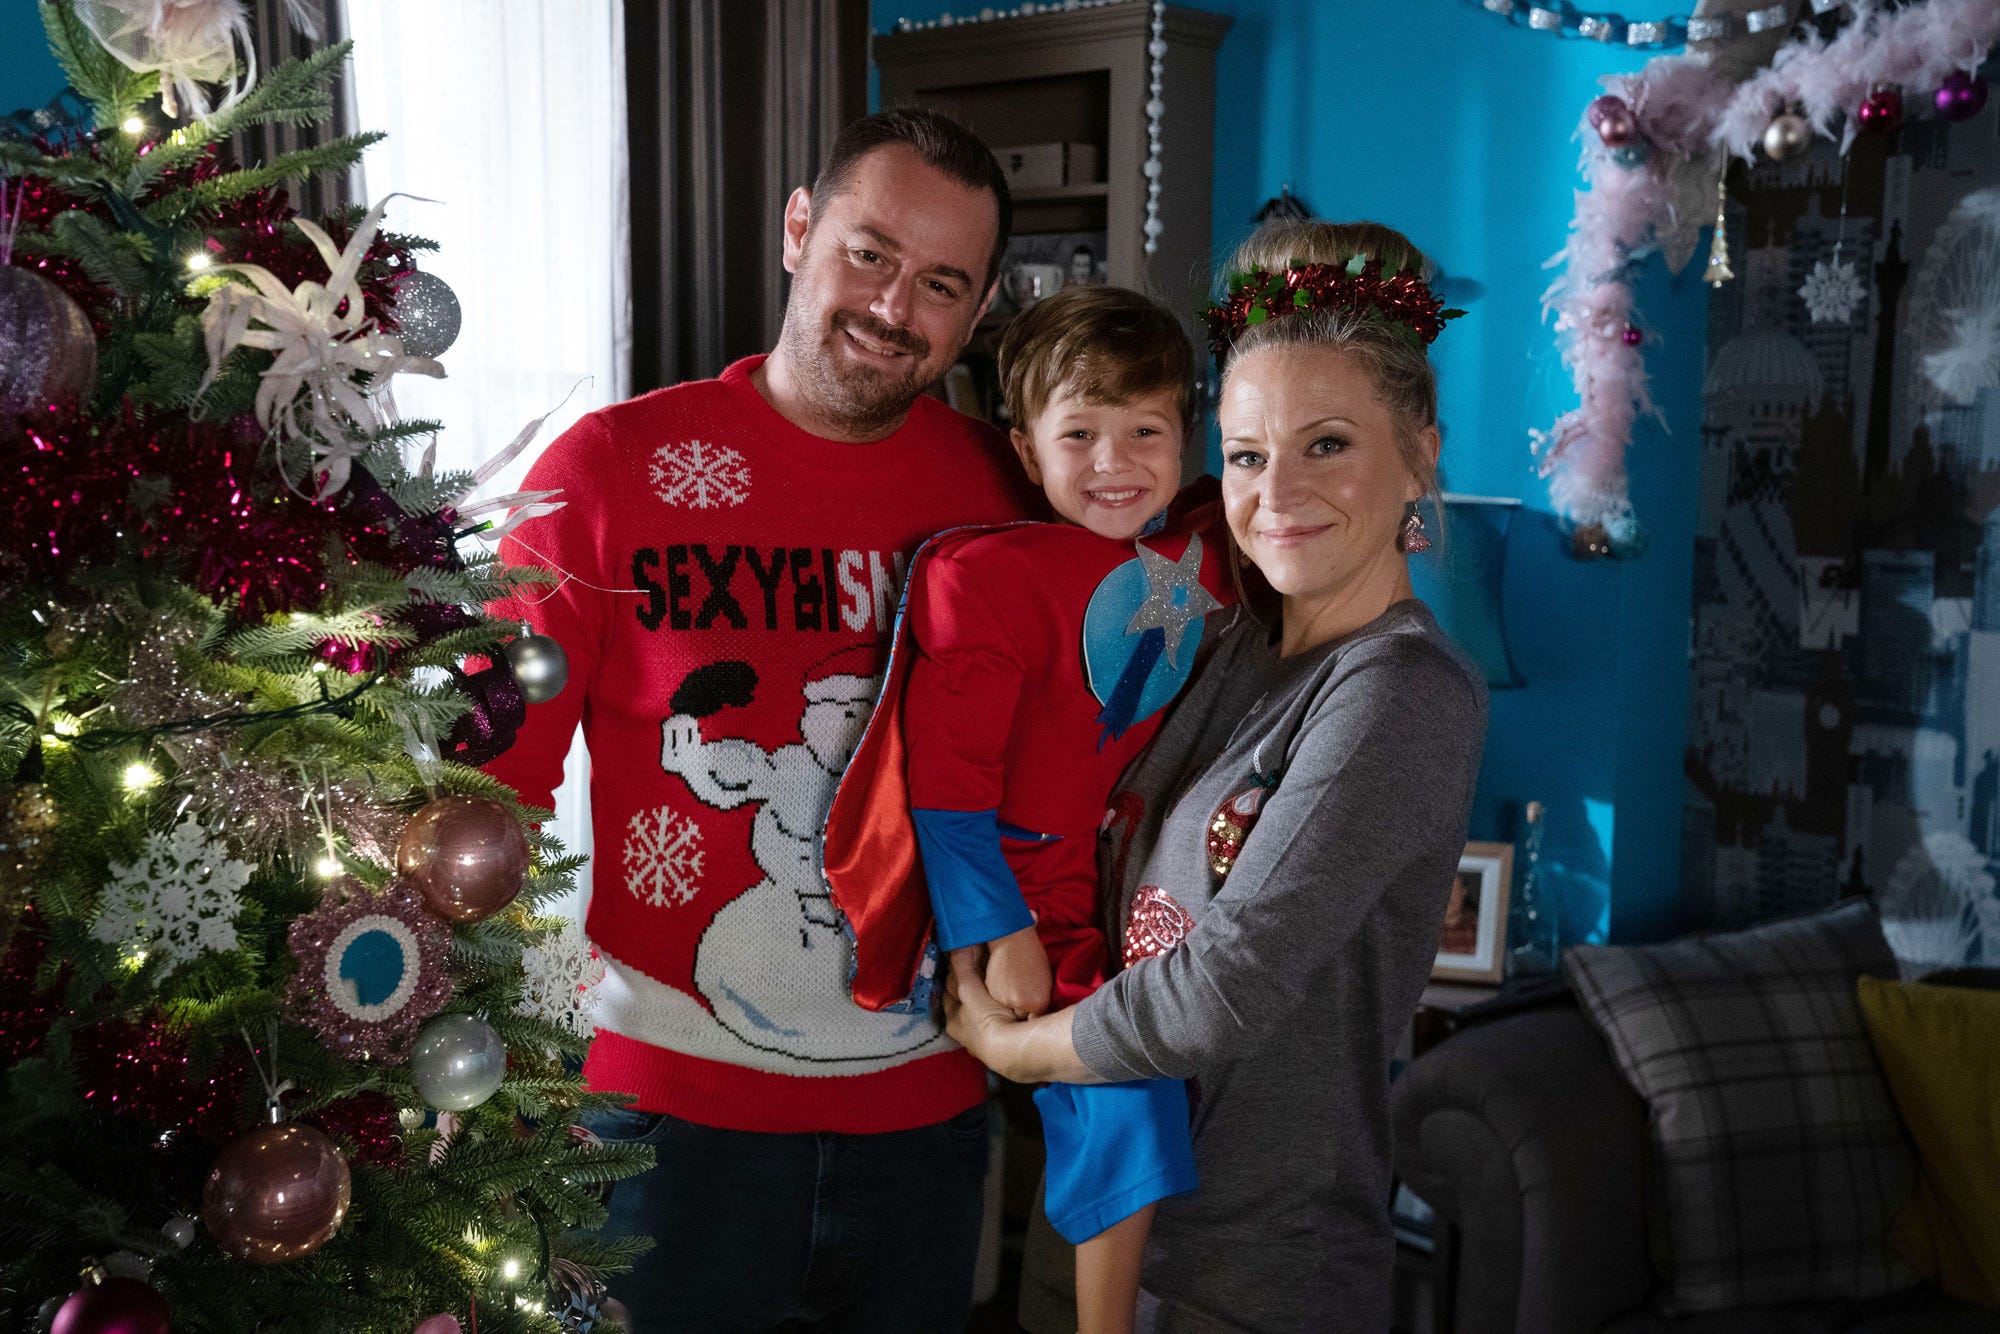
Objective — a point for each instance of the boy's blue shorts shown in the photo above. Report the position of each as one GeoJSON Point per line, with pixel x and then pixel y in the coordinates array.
{"type": "Point", "coordinates": [1113, 1150]}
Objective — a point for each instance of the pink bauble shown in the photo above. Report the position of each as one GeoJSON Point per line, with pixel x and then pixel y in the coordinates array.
{"type": "Point", "coordinates": [1631, 335]}
{"type": "Point", "coordinates": [275, 1193]}
{"type": "Point", "coordinates": [1612, 120]}
{"type": "Point", "coordinates": [115, 1306]}
{"type": "Point", "coordinates": [1961, 96]}
{"type": "Point", "coordinates": [467, 855]}
{"type": "Point", "coordinates": [48, 351]}
{"type": "Point", "coordinates": [1881, 111]}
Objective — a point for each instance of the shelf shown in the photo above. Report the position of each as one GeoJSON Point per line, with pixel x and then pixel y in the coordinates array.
{"type": "Point", "coordinates": [1055, 194]}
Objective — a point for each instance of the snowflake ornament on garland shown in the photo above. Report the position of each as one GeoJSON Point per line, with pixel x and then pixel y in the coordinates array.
{"type": "Point", "coordinates": [562, 978]}
{"type": "Point", "coordinates": [178, 898]}
{"type": "Point", "coordinates": [1832, 292]}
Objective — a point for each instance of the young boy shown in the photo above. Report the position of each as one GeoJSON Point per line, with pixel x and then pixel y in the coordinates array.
{"type": "Point", "coordinates": [1032, 662]}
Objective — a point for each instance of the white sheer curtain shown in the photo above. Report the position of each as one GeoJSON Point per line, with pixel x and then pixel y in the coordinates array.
{"type": "Point", "coordinates": [510, 115]}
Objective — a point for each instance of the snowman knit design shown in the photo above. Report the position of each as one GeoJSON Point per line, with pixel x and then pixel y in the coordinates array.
{"type": "Point", "coordinates": [726, 644]}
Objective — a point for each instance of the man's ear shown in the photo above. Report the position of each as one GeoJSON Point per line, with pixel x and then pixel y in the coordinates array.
{"type": "Point", "coordinates": [1024, 445]}
{"type": "Point", "coordinates": [986, 303]}
{"type": "Point", "coordinates": [798, 217]}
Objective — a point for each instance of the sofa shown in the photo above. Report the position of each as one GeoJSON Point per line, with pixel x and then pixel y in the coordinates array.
{"type": "Point", "coordinates": [1521, 1134]}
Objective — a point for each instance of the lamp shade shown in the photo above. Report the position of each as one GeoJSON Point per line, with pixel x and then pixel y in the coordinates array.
{"type": "Point", "coordinates": [1461, 578]}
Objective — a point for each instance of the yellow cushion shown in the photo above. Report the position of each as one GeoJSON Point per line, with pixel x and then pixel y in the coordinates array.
{"type": "Point", "coordinates": [1940, 1049]}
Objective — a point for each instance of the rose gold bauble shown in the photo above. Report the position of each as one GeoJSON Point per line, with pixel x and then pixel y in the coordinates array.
{"type": "Point", "coordinates": [275, 1193]}
{"type": "Point", "coordinates": [466, 854]}
{"type": "Point", "coordinates": [48, 352]}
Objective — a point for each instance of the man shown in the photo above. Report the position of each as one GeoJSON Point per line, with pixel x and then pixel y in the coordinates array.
{"type": "Point", "coordinates": [736, 547]}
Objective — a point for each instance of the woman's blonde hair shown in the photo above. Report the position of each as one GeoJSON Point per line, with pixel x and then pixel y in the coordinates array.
{"type": "Point", "coordinates": [1404, 378]}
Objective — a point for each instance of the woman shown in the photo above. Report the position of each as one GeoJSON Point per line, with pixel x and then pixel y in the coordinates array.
{"type": "Point", "coordinates": [1285, 848]}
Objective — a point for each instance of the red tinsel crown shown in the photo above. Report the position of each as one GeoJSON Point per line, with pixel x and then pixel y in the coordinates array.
{"type": "Point", "coordinates": [1401, 299]}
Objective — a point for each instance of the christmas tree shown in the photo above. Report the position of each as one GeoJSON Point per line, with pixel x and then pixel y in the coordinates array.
{"type": "Point", "coordinates": [285, 1043]}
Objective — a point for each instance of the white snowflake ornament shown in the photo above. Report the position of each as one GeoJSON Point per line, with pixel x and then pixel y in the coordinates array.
{"type": "Point", "coordinates": [663, 857]}
{"type": "Point", "coordinates": [178, 898]}
{"type": "Point", "coordinates": [698, 475]}
{"type": "Point", "coordinates": [561, 987]}
{"type": "Point", "coordinates": [1832, 291]}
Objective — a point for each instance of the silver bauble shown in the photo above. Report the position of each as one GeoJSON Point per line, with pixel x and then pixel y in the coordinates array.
{"type": "Point", "coordinates": [427, 314]}
{"type": "Point", "coordinates": [540, 667]}
{"type": "Point", "coordinates": [457, 1062]}
{"type": "Point", "coordinates": [1786, 135]}
{"type": "Point", "coordinates": [179, 1230]}
{"type": "Point", "coordinates": [48, 351]}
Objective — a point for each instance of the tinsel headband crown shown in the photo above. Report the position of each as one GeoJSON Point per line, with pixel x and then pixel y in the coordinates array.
{"type": "Point", "coordinates": [1402, 300]}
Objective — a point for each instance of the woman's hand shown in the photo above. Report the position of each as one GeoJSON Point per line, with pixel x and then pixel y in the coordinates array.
{"type": "Point", "coordinates": [1027, 1051]}
{"type": "Point", "coordinates": [1017, 973]}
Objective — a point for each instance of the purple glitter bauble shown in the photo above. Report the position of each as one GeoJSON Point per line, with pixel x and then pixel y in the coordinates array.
{"type": "Point", "coordinates": [48, 351]}
{"type": "Point", "coordinates": [1961, 96]}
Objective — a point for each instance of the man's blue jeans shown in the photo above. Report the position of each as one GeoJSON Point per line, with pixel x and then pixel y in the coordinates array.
{"type": "Point", "coordinates": [833, 1234]}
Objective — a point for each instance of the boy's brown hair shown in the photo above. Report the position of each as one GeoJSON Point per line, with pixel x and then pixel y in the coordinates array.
{"type": "Point", "coordinates": [1104, 344]}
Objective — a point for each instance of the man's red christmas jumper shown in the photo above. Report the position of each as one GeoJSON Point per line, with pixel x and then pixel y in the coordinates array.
{"type": "Point", "coordinates": [721, 693]}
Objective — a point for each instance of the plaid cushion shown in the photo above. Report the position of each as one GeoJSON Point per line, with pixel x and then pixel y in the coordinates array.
{"type": "Point", "coordinates": [1780, 1159]}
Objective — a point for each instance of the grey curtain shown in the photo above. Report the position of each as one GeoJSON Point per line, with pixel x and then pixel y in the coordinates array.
{"type": "Point", "coordinates": [278, 40]}
{"type": "Point", "coordinates": [733, 104]}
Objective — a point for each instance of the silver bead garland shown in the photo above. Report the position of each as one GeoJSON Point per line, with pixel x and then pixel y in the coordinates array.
{"type": "Point", "coordinates": [1670, 32]}
{"type": "Point", "coordinates": [1156, 110]}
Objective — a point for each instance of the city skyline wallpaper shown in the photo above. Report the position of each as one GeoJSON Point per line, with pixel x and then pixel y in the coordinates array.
{"type": "Point", "coordinates": [1844, 721]}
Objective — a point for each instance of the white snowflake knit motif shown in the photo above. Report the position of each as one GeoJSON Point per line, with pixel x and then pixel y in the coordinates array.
{"type": "Point", "coordinates": [698, 475]}
{"type": "Point", "coordinates": [178, 898]}
{"type": "Point", "coordinates": [663, 857]}
{"type": "Point", "coordinates": [561, 987]}
{"type": "Point", "coordinates": [1832, 291]}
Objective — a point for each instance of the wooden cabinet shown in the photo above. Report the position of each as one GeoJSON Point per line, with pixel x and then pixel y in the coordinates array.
{"type": "Point", "coordinates": [1083, 76]}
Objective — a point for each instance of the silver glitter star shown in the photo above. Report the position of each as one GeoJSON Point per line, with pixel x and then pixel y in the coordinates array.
{"type": "Point", "coordinates": [1175, 598]}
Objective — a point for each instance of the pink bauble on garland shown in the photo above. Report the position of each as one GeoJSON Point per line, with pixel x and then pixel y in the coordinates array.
{"type": "Point", "coordinates": [1880, 112]}
{"type": "Point", "coordinates": [467, 855]}
{"type": "Point", "coordinates": [1960, 96]}
{"type": "Point", "coordinates": [48, 352]}
{"type": "Point", "coordinates": [1612, 120]}
{"type": "Point", "coordinates": [276, 1193]}
{"type": "Point", "coordinates": [114, 1306]}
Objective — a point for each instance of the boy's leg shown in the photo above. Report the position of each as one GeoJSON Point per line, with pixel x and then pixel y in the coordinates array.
{"type": "Point", "coordinates": [1107, 1274]}
{"type": "Point", "coordinates": [1114, 1151]}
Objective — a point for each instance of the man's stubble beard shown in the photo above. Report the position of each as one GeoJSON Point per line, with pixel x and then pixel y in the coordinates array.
{"type": "Point", "coordinates": [858, 401]}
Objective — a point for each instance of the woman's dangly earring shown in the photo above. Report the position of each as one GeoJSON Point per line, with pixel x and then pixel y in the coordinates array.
{"type": "Point", "coordinates": [1413, 538]}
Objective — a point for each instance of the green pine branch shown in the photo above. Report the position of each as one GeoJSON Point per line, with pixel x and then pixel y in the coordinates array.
{"type": "Point", "coordinates": [297, 92]}
{"type": "Point", "coordinates": [98, 77]}
{"type": "Point", "coordinates": [331, 157]}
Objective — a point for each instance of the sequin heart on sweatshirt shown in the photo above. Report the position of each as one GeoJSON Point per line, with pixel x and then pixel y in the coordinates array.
{"type": "Point", "coordinates": [1155, 924]}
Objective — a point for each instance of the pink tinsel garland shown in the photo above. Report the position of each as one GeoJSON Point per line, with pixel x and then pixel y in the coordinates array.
{"type": "Point", "coordinates": [1686, 110]}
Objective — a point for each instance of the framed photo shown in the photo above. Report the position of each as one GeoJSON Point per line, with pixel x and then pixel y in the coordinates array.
{"type": "Point", "coordinates": [1473, 944]}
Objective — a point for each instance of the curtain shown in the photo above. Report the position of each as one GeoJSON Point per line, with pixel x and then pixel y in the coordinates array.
{"type": "Point", "coordinates": [277, 39]}
{"type": "Point", "coordinates": [733, 105]}
{"type": "Point", "coordinates": [506, 120]}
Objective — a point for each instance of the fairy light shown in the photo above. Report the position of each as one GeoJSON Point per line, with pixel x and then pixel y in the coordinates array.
{"type": "Point", "coordinates": [133, 125]}
{"type": "Point", "coordinates": [139, 776]}
{"type": "Point", "coordinates": [510, 1269]}
{"type": "Point", "coordinates": [198, 261]}
{"type": "Point", "coordinates": [328, 867]}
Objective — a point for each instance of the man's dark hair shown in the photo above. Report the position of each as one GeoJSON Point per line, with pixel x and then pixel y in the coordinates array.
{"type": "Point", "coordinates": [938, 140]}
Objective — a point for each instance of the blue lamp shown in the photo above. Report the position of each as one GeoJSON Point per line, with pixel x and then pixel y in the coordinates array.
{"type": "Point", "coordinates": [1460, 579]}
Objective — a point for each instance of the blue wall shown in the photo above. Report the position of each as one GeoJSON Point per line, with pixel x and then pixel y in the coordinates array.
{"type": "Point", "coordinates": [29, 75]}
{"type": "Point", "coordinates": [1455, 127]}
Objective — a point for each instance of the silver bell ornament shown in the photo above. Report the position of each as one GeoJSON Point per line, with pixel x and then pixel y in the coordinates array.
{"type": "Point", "coordinates": [427, 314]}
{"type": "Point", "coordinates": [457, 1062]}
{"type": "Point", "coordinates": [541, 668]}
{"type": "Point", "coordinates": [1786, 135]}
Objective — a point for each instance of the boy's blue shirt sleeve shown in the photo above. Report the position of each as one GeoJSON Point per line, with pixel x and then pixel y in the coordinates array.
{"type": "Point", "coordinates": [974, 896]}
